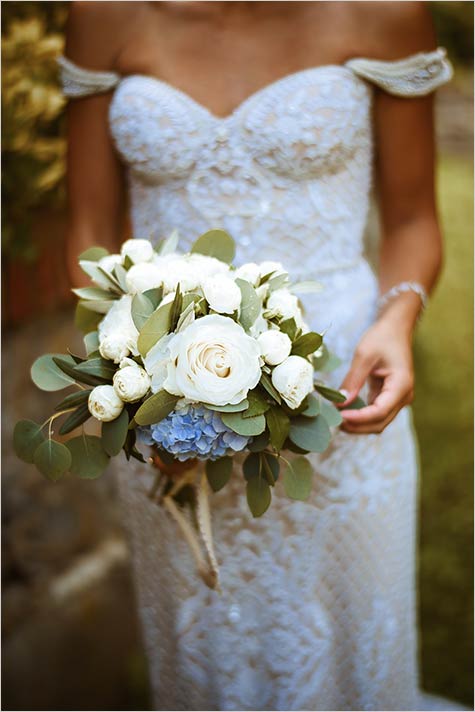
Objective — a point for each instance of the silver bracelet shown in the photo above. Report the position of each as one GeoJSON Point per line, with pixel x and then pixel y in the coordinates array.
{"type": "Point", "coordinates": [400, 289]}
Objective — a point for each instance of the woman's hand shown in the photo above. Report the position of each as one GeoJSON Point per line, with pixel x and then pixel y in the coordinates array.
{"type": "Point", "coordinates": [384, 358]}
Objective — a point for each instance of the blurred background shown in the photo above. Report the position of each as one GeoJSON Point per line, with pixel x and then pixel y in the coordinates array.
{"type": "Point", "coordinates": [70, 633]}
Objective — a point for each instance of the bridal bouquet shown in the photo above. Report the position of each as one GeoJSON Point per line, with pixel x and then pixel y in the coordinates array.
{"type": "Point", "coordinates": [198, 360]}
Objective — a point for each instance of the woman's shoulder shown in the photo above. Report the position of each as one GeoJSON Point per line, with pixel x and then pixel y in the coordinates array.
{"type": "Point", "coordinates": [96, 31]}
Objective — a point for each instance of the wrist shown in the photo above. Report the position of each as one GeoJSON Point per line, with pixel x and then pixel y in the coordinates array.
{"type": "Point", "coordinates": [401, 312]}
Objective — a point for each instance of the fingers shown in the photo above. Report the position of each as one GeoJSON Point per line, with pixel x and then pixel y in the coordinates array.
{"type": "Point", "coordinates": [360, 369]}
{"type": "Point", "coordinates": [396, 392]}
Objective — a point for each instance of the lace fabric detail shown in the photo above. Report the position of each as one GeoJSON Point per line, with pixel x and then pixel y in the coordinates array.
{"type": "Point", "coordinates": [318, 603]}
{"type": "Point", "coordinates": [77, 81]}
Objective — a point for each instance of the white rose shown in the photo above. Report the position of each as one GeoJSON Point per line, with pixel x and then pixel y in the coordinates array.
{"type": "Point", "coordinates": [143, 276]}
{"type": "Point", "coordinates": [275, 346]}
{"type": "Point", "coordinates": [213, 361]}
{"type": "Point", "coordinates": [287, 304]}
{"type": "Point", "coordinates": [156, 362]}
{"type": "Point", "coordinates": [104, 403]}
{"type": "Point", "coordinates": [131, 382]}
{"type": "Point", "coordinates": [137, 250]}
{"type": "Point", "coordinates": [117, 332]}
{"type": "Point", "coordinates": [293, 379]}
{"type": "Point", "coordinates": [250, 272]}
{"type": "Point", "coordinates": [222, 294]}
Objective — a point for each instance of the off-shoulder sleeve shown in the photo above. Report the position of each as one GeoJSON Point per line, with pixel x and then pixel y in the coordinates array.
{"type": "Point", "coordinates": [77, 81]}
{"type": "Point", "coordinates": [416, 75]}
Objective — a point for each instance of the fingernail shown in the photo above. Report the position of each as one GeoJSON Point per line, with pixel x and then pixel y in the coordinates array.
{"type": "Point", "coordinates": [344, 392]}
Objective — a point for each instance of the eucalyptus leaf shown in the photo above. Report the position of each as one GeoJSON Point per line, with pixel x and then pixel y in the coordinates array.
{"type": "Point", "coordinates": [312, 434]}
{"type": "Point", "coordinates": [218, 472]}
{"type": "Point", "coordinates": [52, 459]}
{"type": "Point", "coordinates": [177, 306]}
{"type": "Point", "coordinates": [170, 243]}
{"type": "Point", "coordinates": [88, 457]}
{"type": "Point", "coordinates": [121, 275]}
{"type": "Point", "coordinates": [277, 282]}
{"type": "Point", "coordinates": [244, 426]}
{"type": "Point", "coordinates": [270, 467]}
{"type": "Point", "coordinates": [260, 442]}
{"type": "Point", "coordinates": [98, 306]}
{"type": "Point", "coordinates": [230, 408]}
{"type": "Point", "coordinates": [141, 309]}
{"type": "Point", "coordinates": [306, 287]}
{"type": "Point", "coordinates": [93, 254]}
{"type": "Point", "coordinates": [258, 495]}
{"type": "Point", "coordinates": [313, 407]}
{"type": "Point", "coordinates": [69, 370]}
{"type": "Point", "coordinates": [289, 327]}
{"type": "Point", "coordinates": [114, 434]}
{"type": "Point", "coordinates": [307, 344]}
{"type": "Point", "coordinates": [357, 404]}
{"type": "Point", "coordinates": [91, 342]}
{"type": "Point", "coordinates": [75, 419]}
{"type": "Point", "coordinates": [86, 320]}
{"type": "Point", "coordinates": [250, 304]}
{"type": "Point", "coordinates": [156, 326]}
{"type": "Point", "coordinates": [27, 436]}
{"type": "Point", "coordinates": [98, 367]}
{"type": "Point", "coordinates": [155, 408]}
{"type": "Point", "coordinates": [267, 384]}
{"type": "Point", "coordinates": [92, 293]}
{"type": "Point", "coordinates": [216, 243]}
{"type": "Point", "coordinates": [74, 399]}
{"type": "Point", "coordinates": [297, 478]}
{"type": "Point", "coordinates": [330, 394]}
{"type": "Point", "coordinates": [47, 376]}
{"type": "Point", "coordinates": [154, 296]}
{"type": "Point", "coordinates": [257, 404]}
{"type": "Point", "coordinates": [278, 424]}
{"type": "Point", "coordinates": [331, 414]}
{"type": "Point", "coordinates": [187, 317]}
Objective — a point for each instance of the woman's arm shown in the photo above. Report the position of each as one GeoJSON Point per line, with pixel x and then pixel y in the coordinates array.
{"type": "Point", "coordinates": [411, 248]}
{"type": "Point", "coordinates": [95, 178]}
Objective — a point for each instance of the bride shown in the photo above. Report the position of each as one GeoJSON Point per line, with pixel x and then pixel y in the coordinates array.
{"type": "Point", "coordinates": [273, 120]}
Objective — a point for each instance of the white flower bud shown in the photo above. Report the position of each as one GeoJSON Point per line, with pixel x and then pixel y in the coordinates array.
{"type": "Point", "coordinates": [114, 348]}
{"type": "Point", "coordinates": [275, 346]}
{"type": "Point", "coordinates": [137, 250]}
{"type": "Point", "coordinates": [293, 379]}
{"type": "Point", "coordinates": [250, 272]}
{"type": "Point", "coordinates": [143, 276]}
{"type": "Point", "coordinates": [287, 304]}
{"type": "Point", "coordinates": [104, 403]}
{"type": "Point", "coordinates": [131, 382]}
{"type": "Point", "coordinates": [222, 294]}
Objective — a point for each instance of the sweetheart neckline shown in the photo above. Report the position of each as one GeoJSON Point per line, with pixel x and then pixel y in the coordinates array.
{"type": "Point", "coordinates": [254, 95]}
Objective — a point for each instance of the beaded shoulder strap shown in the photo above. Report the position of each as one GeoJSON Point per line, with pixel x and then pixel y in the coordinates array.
{"type": "Point", "coordinates": [416, 75]}
{"type": "Point", "coordinates": [77, 81]}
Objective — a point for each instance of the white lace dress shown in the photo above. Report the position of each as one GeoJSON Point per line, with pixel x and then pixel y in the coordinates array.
{"type": "Point", "coordinates": [318, 602]}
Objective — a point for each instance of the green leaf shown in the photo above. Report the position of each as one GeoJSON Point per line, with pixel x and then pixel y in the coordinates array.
{"type": "Point", "coordinates": [93, 293]}
{"type": "Point", "coordinates": [169, 244]}
{"type": "Point", "coordinates": [306, 287]}
{"type": "Point", "coordinates": [236, 408]}
{"type": "Point", "coordinates": [52, 459]}
{"type": "Point", "coordinates": [261, 463]}
{"type": "Point", "coordinates": [307, 344]}
{"type": "Point", "coordinates": [260, 442]}
{"type": "Point", "coordinates": [154, 296]}
{"type": "Point", "coordinates": [98, 367]}
{"type": "Point", "coordinates": [88, 457]}
{"type": "Point", "coordinates": [279, 424]}
{"type": "Point", "coordinates": [289, 327]}
{"type": "Point", "coordinates": [75, 419]}
{"type": "Point", "coordinates": [270, 466]}
{"type": "Point", "coordinates": [98, 306]}
{"type": "Point", "coordinates": [177, 306]}
{"type": "Point", "coordinates": [244, 426]}
{"type": "Point", "coordinates": [313, 407]}
{"type": "Point", "coordinates": [187, 317]}
{"type": "Point", "coordinates": [74, 399]}
{"type": "Point", "coordinates": [66, 367]}
{"type": "Point", "coordinates": [27, 436]}
{"type": "Point", "coordinates": [312, 434]}
{"type": "Point", "coordinates": [326, 362]}
{"type": "Point", "coordinates": [330, 413]}
{"type": "Point", "coordinates": [156, 408]}
{"type": "Point", "coordinates": [267, 384]}
{"type": "Point", "coordinates": [156, 326]}
{"type": "Point", "coordinates": [46, 375]}
{"type": "Point", "coordinates": [218, 472]}
{"type": "Point", "coordinates": [331, 394]}
{"type": "Point", "coordinates": [91, 342]}
{"type": "Point", "coordinates": [280, 280]}
{"type": "Point", "coordinates": [216, 243]}
{"type": "Point", "coordinates": [258, 495]}
{"type": "Point", "coordinates": [86, 320]}
{"type": "Point", "coordinates": [297, 478]}
{"type": "Point", "coordinates": [257, 404]}
{"type": "Point", "coordinates": [121, 275]}
{"type": "Point", "coordinates": [357, 404]}
{"type": "Point", "coordinates": [250, 304]}
{"type": "Point", "coordinates": [93, 254]}
{"type": "Point", "coordinates": [141, 309]}
{"type": "Point", "coordinates": [114, 434]}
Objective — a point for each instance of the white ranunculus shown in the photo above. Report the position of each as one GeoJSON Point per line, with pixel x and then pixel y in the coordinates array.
{"type": "Point", "coordinates": [251, 272]}
{"type": "Point", "coordinates": [287, 304]}
{"type": "Point", "coordinates": [275, 346]}
{"type": "Point", "coordinates": [117, 333]}
{"type": "Point", "coordinates": [188, 270]}
{"type": "Point", "coordinates": [143, 276]}
{"type": "Point", "coordinates": [222, 293]}
{"type": "Point", "coordinates": [293, 379]}
{"type": "Point", "coordinates": [137, 250]}
{"type": "Point", "coordinates": [156, 362]}
{"type": "Point", "coordinates": [131, 382]}
{"type": "Point", "coordinates": [213, 361]}
{"type": "Point", "coordinates": [207, 266]}
{"type": "Point", "coordinates": [269, 267]}
{"type": "Point", "coordinates": [109, 262]}
{"type": "Point", "coordinates": [104, 403]}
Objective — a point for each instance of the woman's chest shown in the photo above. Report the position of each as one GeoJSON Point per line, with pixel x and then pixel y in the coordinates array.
{"type": "Point", "coordinates": [300, 126]}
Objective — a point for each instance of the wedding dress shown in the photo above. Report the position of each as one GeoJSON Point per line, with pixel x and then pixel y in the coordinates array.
{"type": "Point", "coordinates": [317, 610]}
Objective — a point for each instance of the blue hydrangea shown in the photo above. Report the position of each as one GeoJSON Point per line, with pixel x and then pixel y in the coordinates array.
{"type": "Point", "coordinates": [192, 430]}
